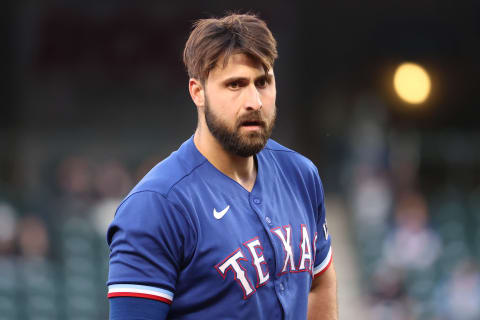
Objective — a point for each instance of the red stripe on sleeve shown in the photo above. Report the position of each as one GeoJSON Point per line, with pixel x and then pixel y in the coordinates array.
{"type": "Point", "coordinates": [325, 269]}
{"type": "Point", "coordinates": [138, 295]}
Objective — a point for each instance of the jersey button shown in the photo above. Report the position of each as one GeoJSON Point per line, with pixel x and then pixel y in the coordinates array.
{"type": "Point", "coordinates": [257, 201]}
{"type": "Point", "coordinates": [269, 221]}
{"type": "Point", "coordinates": [281, 286]}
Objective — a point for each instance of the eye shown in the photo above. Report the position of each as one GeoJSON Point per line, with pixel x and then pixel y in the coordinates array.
{"type": "Point", "coordinates": [261, 83]}
{"type": "Point", "coordinates": [234, 85]}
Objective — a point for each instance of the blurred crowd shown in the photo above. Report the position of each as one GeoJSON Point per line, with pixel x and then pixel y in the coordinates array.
{"type": "Point", "coordinates": [53, 254]}
{"type": "Point", "coordinates": [419, 251]}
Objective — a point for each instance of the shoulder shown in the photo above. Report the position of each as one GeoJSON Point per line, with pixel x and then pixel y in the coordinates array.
{"type": "Point", "coordinates": [292, 164]}
{"type": "Point", "coordinates": [150, 200]}
{"type": "Point", "coordinates": [157, 190]}
{"type": "Point", "coordinates": [289, 157]}
{"type": "Point", "coordinates": [171, 171]}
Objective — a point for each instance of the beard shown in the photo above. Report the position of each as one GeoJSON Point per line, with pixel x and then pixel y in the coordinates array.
{"type": "Point", "coordinates": [232, 140]}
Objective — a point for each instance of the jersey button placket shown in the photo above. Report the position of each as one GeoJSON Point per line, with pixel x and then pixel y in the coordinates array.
{"type": "Point", "coordinates": [268, 220]}
{"type": "Point", "coordinates": [281, 288]}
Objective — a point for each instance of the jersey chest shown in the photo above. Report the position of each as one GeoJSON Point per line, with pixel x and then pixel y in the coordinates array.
{"type": "Point", "coordinates": [246, 240]}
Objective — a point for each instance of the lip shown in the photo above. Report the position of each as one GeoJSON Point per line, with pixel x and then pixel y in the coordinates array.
{"type": "Point", "coordinates": [252, 122]}
{"type": "Point", "coordinates": [251, 127]}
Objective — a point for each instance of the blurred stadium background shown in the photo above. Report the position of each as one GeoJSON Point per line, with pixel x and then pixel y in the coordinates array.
{"type": "Point", "coordinates": [95, 94]}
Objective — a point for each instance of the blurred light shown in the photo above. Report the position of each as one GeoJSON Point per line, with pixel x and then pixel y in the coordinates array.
{"type": "Point", "coordinates": [412, 83]}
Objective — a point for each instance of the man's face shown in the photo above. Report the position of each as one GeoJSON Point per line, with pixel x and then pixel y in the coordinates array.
{"type": "Point", "coordinates": [240, 105]}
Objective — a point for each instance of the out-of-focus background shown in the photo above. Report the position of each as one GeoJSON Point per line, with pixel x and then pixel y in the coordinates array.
{"type": "Point", "coordinates": [95, 94]}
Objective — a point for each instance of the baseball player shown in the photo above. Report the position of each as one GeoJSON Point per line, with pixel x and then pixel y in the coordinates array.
{"type": "Point", "coordinates": [232, 224]}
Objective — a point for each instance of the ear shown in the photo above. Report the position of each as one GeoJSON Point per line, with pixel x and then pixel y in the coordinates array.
{"type": "Point", "coordinates": [197, 92]}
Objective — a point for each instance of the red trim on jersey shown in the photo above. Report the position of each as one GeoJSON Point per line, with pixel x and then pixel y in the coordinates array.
{"type": "Point", "coordinates": [309, 248]}
{"type": "Point", "coordinates": [285, 234]}
{"type": "Point", "coordinates": [235, 277]}
{"type": "Point", "coordinates": [258, 285]}
{"type": "Point", "coordinates": [138, 295]}
{"type": "Point", "coordinates": [325, 269]}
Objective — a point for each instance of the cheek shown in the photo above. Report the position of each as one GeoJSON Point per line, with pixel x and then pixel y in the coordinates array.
{"type": "Point", "coordinates": [224, 110]}
{"type": "Point", "coordinates": [224, 101]}
{"type": "Point", "coordinates": [268, 99]}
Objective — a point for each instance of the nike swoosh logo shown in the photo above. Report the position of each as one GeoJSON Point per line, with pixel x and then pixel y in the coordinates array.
{"type": "Point", "coordinates": [219, 215]}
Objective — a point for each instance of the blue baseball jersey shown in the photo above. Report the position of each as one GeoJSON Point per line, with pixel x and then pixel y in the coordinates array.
{"type": "Point", "coordinates": [192, 237]}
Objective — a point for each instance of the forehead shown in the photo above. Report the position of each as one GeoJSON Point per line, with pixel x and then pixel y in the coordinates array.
{"type": "Point", "coordinates": [238, 65]}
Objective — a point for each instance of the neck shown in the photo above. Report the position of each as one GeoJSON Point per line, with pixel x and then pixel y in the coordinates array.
{"type": "Point", "coordinates": [239, 169]}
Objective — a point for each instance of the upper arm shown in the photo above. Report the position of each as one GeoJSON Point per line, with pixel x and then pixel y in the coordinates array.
{"type": "Point", "coordinates": [326, 279]}
{"type": "Point", "coordinates": [322, 299]}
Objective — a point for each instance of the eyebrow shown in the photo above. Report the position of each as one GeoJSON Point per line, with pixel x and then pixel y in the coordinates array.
{"type": "Point", "coordinates": [267, 77]}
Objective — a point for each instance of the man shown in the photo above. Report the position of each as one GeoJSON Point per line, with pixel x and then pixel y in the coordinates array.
{"type": "Point", "coordinates": [232, 224]}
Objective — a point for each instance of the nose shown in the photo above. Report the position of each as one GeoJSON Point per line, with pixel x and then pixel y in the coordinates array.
{"type": "Point", "coordinates": [253, 100]}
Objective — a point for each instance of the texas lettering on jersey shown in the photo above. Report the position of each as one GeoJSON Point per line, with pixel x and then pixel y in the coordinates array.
{"type": "Point", "coordinates": [233, 261]}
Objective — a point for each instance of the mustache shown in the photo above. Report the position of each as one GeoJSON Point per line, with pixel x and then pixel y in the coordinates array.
{"type": "Point", "coordinates": [251, 118]}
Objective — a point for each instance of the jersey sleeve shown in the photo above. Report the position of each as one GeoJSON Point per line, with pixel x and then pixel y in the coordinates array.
{"type": "Point", "coordinates": [127, 308]}
{"type": "Point", "coordinates": [322, 241]}
{"type": "Point", "coordinates": [150, 242]}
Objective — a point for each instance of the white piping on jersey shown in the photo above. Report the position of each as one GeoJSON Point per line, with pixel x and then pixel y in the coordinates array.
{"type": "Point", "coordinates": [324, 263]}
{"type": "Point", "coordinates": [134, 288]}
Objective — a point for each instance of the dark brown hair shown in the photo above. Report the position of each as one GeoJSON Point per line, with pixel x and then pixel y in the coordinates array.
{"type": "Point", "coordinates": [212, 39]}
